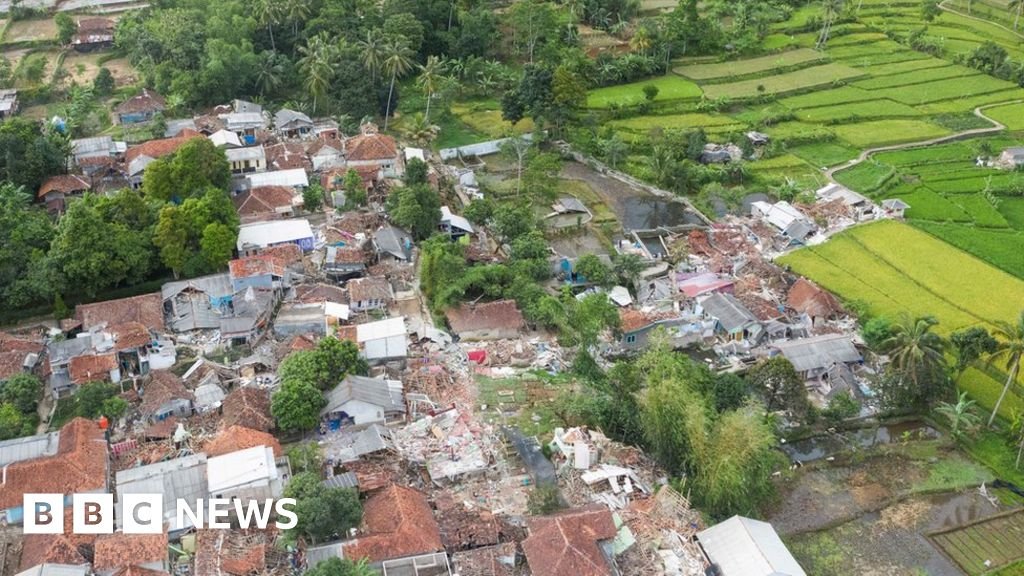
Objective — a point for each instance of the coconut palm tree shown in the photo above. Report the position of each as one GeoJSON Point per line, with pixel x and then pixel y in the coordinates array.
{"type": "Point", "coordinates": [297, 11]}
{"type": "Point", "coordinates": [397, 62]}
{"type": "Point", "coordinates": [372, 50]}
{"type": "Point", "coordinates": [430, 77]}
{"type": "Point", "coordinates": [315, 65]}
{"type": "Point", "coordinates": [915, 351]}
{"type": "Point", "coordinates": [422, 132]}
{"type": "Point", "coordinates": [268, 74]}
{"type": "Point", "coordinates": [1009, 352]}
{"type": "Point", "coordinates": [641, 40]}
{"type": "Point", "coordinates": [832, 9]}
{"type": "Point", "coordinates": [268, 13]}
{"type": "Point", "coordinates": [1016, 6]}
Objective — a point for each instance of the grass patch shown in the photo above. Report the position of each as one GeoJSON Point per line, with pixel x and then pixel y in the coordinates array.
{"type": "Point", "coordinates": [827, 98]}
{"type": "Point", "coordinates": [884, 132]}
{"type": "Point", "coordinates": [807, 78]}
{"type": "Point", "coordinates": [853, 110]}
{"type": "Point", "coordinates": [945, 89]}
{"type": "Point", "coordinates": [710, 122]}
{"type": "Point", "coordinates": [866, 176]}
{"type": "Point", "coordinates": [953, 474]}
{"type": "Point", "coordinates": [1012, 115]}
{"type": "Point", "coordinates": [985, 390]}
{"type": "Point", "coordinates": [670, 87]}
{"type": "Point", "coordinates": [915, 77]}
{"type": "Point", "coordinates": [735, 68]}
{"type": "Point", "coordinates": [825, 153]}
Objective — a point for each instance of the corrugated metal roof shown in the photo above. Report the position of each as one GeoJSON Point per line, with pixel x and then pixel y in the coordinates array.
{"type": "Point", "coordinates": [240, 468]}
{"type": "Point", "coordinates": [454, 220]}
{"type": "Point", "coordinates": [28, 448]}
{"type": "Point", "coordinates": [181, 478]}
{"type": "Point", "coordinates": [275, 232]}
{"type": "Point", "coordinates": [57, 570]}
{"type": "Point", "coordinates": [819, 352]}
{"type": "Point", "coordinates": [250, 153]}
{"type": "Point", "coordinates": [380, 329]}
{"type": "Point", "coordinates": [388, 394]}
{"type": "Point", "coordinates": [343, 480]}
{"type": "Point", "coordinates": [351, 445]}
{"type": "Point", "coordinates": [730, 312]}
{"type": "Point", "coordinates": [745, 547]}
{"type": "Point", "coordinates": [294, 177]}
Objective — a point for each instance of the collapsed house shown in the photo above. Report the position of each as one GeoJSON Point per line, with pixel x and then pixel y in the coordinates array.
{"type": "Point", "coordinates": [745, 547]}
{"type": "Point", "coordinates": [359, 401]}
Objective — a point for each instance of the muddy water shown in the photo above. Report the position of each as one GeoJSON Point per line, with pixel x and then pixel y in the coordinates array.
{"type": "Point", "coordinates": [636, 209]}
{"type": "Point", "coordinates": [820, 447]}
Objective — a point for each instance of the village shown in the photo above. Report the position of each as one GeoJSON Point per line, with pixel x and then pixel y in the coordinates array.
{"type": "Point", "coordinates": [508, 289]}
{"type": "Point", "coordinates": [444, 469]}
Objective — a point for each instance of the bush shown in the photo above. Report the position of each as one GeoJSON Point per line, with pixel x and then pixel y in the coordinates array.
{"type": "Point", "coordinates": [840, 408]}
{"type": "Point", "coordinates": [544, 500]}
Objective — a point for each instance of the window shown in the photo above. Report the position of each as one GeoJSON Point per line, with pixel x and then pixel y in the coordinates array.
{"type": "Point", "coordinates": [631, 339]}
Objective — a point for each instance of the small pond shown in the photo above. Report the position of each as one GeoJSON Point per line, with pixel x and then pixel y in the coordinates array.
{"type": "Point", "coordinates": [818, 447]}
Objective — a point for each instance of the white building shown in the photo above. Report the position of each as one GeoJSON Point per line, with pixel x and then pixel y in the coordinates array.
{"type": "Point", "coordinates": [246, 474]}
{"type": "Point", "coordinates": [383, 340]}
{"type": "Point", "coordinates": [293, 178]}
{"type": "Point", "coordinates": [744, 547]}
{"type": "Point", "coordinates": [254, 237]}
{"type": "Point", "coordinates": [784, 216]}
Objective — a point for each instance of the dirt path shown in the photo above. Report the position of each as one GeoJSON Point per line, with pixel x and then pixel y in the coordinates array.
{"type": "Point", "coordinates": [44, 410]}
{"type": "Point", "coordinates": [996, 127]}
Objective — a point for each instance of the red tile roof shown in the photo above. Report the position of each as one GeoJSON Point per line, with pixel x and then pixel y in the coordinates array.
{"type": "Point", "coordinates": [95, 25]}
{"type": "Point", "coordinates": [162, 147]}
{"type": "Point", "coordinates": [163, 386]}
{"type": "Point", "coordinates": [287, 253]}
{"type": "Point", "coordinates": [316, 293]}
{"type": "Point", "coordinates": [263, 200]}
{"type": "Point", "coordinates": [120, 550]}
{"type": "Point", "coordinates": [368, 147]}
{"type": "Point", "coordinates": [500, 314]}
{"type": "Point", "coordinates": [567, 543]}
{"type": "Point", "coordinates": [235, 438]}
{"type": "Point", "coordinates": [398, 522]}
{"type": "Point", "coordinates": [131, 335]}
{"type": "Point", "coordinates": [632, 320]}
{"type": "Point", "coordinates": [145, 102]}
{"type": "Point", "coordinates": [248, 406]}
{"type": "Point", "coordinates": [287, 155]}
{"type": "Point", "coordinates": [350, 256]}
{"type": "Point", "coordinates": [65, 184]}
{"type": "Point", "coordinates": [10, 343]}
{"type": "Point", "coordinates": [231, 553]}
{"type": "Point", "coordinates": [80, 465]}
{"type": "Point", "coordinates": [11, 363]}
{"type": "Point", "coordinates": [365, 289]}
{"type": "Point", "coordinates": [256, 266]}
{"type": "Point", "coordinates": [91, 367]}
{"type": "Point", "coordinates": [63, 548]}
{"type": "Point", "coordinates": [147, 309]}
{"type": "Point", "coordinates": [321, 143]}
{"type": "Point", "coordinates": [807, 298]}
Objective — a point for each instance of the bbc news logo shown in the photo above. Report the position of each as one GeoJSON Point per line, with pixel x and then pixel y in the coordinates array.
{"type": "Point", "coordinates": [144, 513]}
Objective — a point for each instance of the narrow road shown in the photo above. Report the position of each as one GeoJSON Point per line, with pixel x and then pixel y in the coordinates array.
{"type": "Point", "coordinates": [996, 127]}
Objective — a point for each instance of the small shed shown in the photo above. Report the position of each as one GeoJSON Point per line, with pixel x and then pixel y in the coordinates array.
{"type": "Point", "coordinates": [745, 547]}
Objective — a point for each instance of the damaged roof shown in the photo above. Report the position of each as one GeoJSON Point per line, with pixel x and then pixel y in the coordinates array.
{"type": "Point", "coordinates": [120, 550]}
{"type": "Point", "coordinates": [235, 438]}
{"type": "Point", "coordinates": [146, 309]}
{"type": "Point", "coordinates": [258, 265]}
{"type": "Point", "coordinates": [730, 312]}
{"type": "Point", "coordinates": [91, 367]}
{"type": "Point", "coordinates": [80, 465]}
{"type": "Point", "coordinates": [745, 547]}
{"type": "Point", "coordinates": [489, 315]}
{"type": "Point", "coordinates": [163, 387]}
{"type": "Point", "coordinates": [819, 352]}
{"type": "Point", "coordinates": [63, 549]}
{"type": "Point", "coordinates": [248, 406]}
{"type": "Point", "coordinates": [368, 289]}
{"type": "Point", "coordinates": [388, 394]}
{"type": "Point", "coordinates": [65, 184]}
{"type": "Point", "coordinates": [398, 522]}
{"type": "Point", "coordinates": [567, 543]}
{"type": "Point", "coordinates": [808, 298]}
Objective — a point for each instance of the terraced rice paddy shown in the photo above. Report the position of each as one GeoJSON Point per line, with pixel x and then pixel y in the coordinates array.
{"type": "Point", "coordinates": [982, 546]}
{"type": "Point", "coordinates": [894, 268]}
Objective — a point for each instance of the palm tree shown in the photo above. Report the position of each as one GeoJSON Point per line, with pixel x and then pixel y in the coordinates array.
{"type": "Point", "coordinates": [421, 131]}
{"type": "Point", "coordinates": [268, 12]}
{"type": "Point", "coordinates": [832, 9]}
{"type": "Point", "coordinates": [397, 62]}
{"type": "Point", "coordinates": [614, 149]}
{"type": "Point", "coordinates": [430, 77]}
{"type": "Point", "coordinates": [316, 66]}
{"type": "Point", "coordinates": [373, 54]}
{"type": "Point", "coordinates": [916, 352]}
{"type": "Point", "coordinates": [268, 73]}
{"type": "Point", "coordinates": [961, 415]}
{"type": "Point", "coordinates": [1016, 6]}
{"type": "Point", "coordinates": [1009, 351]}
{"type": "Point", "coordinates": [297, 11]}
